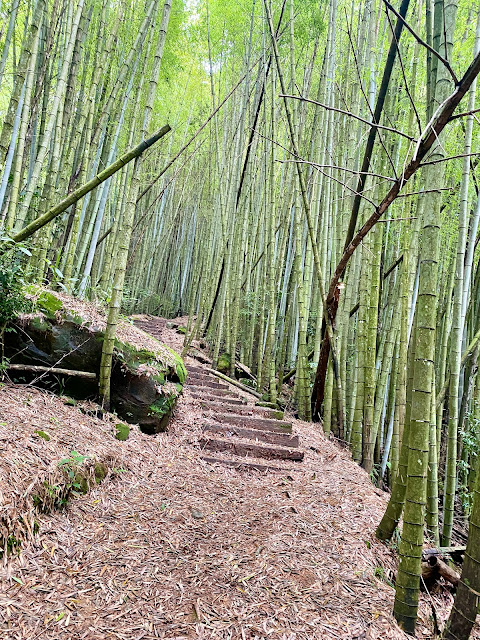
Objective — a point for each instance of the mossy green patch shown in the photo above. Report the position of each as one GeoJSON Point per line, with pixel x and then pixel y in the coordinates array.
{"type": "Point", "coordinates": [48, 303]}
{"type": "Point", "coordinates": [133, 358]}
{"type": "Point", "coordinates": [122, 431]}
{"type": "Point", "coordinates": [181, 371]}
{"type": "Point", "coordinates": [80, 483]}
{"type": "Point", "coordinates": [100, 472]}
{"type": "Point", "coordinates": [160, 378]}
{"type": "Point", "coordinates": [224, 362]}
{"type": "Point", "coordinates": [178, 366]}
{"type": "Point", "coordinates": [43, 434]}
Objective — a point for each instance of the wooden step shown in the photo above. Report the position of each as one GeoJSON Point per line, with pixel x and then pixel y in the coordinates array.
{"type": "Point", "coordinates": [211, 391]}
{"type": "Point", "coordinates": [235, 401]}
{"type": "Point", "coordinates": [193, 375]}
{"type": "Point", "coordinates": [243, 411]}
{"type": "Point", "coordinates": [268, 405]}
{"type": "Point", "coordinates": [240, 464]}
{"type": "Point", "coordinates": [204, 382]}
{"type": "Point", "coordinates": [253, 450]}
{"type": "Point", "coordinates": [283, 439]}
{"type": "Point", "coordinates": [199, 370]}
{"type": "Point", "coordinates": [251, 422]}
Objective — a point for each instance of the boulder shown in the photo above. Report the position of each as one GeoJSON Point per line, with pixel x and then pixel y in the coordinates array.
{"type": "Point", "coordinates": [147, 376]}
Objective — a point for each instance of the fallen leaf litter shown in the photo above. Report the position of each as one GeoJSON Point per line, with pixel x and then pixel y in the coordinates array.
{"type": "Point", "coordinates": [169, 546]}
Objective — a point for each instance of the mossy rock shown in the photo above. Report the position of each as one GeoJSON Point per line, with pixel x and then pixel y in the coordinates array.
{"type": "Point", "coordinates": [82, 483]}
{"type": "Point", "coordinates": [141, 379]}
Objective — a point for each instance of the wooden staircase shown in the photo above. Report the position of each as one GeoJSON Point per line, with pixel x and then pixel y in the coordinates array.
{"type": "Point", "coordinates": [239, 432]}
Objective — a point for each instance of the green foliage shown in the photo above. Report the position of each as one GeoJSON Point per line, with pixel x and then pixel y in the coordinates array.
{"type": "Point", "coordinates": [224, 362]}
{"type": "Point", "coordinates": [470, 440]}
{"type": "Point", "coordinates": [248, 382]}
{"type": "Point", "coordinates": [12, 279]}
{"type": "Point", "coordinates": [43, 434]}
{"type": "Point", "coordinates": [162, 406]}
{"type": "Point", "coordinates": [74, 460]}
{"type": "Point", "coordinates": [381, 574]}
{"type": "Point", "coordinates": [76, 481]}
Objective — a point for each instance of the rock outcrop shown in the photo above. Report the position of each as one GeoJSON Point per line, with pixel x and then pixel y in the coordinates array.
{"type": "Point", "coordinates": [63, 332]}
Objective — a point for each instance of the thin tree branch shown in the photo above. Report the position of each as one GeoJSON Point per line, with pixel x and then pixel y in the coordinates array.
{"type": "Point", "coordinates": [351, 115]}
{"type": "Point", "coordinates": [422, 42]}
{"type": "Point", "coordinates": [434, 128]}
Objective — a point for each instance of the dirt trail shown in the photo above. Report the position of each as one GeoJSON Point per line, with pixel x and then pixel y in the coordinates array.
{"type": "Point", "coordinates": [175, 547]}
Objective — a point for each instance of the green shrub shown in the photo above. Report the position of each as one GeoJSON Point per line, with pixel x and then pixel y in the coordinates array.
{"type": "Point", "coordinates": [12, 280]}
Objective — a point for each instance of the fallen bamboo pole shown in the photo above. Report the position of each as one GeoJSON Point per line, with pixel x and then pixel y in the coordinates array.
{"type": "Point", "coordinates": [73, 197]}
{"type": "Point", "coordinates": [40, 369]}
{"type": "Point", "coordinates": [234, 382]}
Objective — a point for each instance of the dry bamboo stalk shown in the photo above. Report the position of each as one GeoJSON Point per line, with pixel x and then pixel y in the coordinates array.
{"type": "Point", "coordinates": [42, 369]}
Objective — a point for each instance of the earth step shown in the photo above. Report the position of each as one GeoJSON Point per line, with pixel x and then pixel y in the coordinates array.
{"type": "Point", "coordinates": [236, 401]}
{"type": "Point", "coordinates": [239, 464]}
{"type": "Point", "coordinates": [212, 392]}
{"type": "Point", "coordinates": [244, 411]}
{"type": "Point", "coordinates": [198, 355]}
{"type": "Point", "coordinates": [200, 370]}
{"type": "Point", "coordinates": [193, 375]}
{"type": "Point", "coordinates": [267, 405]}
{"type": "Point", "coordinates": [254, 450]}
{"type": "Point", "coordinates": [283, 439]}
{"type": "Point", "coordinates": [251, 422]}
{"type": "Point", "coordinates": [206, 383]}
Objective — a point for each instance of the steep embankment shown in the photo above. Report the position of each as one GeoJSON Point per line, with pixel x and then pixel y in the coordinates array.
{"type": "Point", "coordinates": [170, 546]}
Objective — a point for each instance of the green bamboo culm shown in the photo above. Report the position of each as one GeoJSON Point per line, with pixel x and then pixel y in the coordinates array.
{"type": "Point", "coordinates": [410, 551]}
{"type": "Point", "coordinates": [75, 196]}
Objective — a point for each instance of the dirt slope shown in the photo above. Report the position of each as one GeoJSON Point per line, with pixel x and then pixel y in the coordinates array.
{"type": "Point", "coordinates": [169, 546]}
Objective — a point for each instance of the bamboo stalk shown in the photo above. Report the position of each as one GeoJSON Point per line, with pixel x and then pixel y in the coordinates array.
{"type": "Point", "coordinates": [62, 206]}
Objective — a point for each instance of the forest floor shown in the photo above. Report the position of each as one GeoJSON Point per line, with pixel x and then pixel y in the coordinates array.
{"type": "Point", "coordinates": [169, 546]}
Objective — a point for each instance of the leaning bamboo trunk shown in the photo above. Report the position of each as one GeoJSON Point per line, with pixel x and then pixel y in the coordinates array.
{"type": "Point", "coordinates": [62, 206]}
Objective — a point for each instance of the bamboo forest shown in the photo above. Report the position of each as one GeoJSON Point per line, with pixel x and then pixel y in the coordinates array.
{"type": "Point", "coordinates": [239, 319]}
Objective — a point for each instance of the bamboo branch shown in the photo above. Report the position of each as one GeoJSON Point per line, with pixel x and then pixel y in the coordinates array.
{"type": "Point", "coordinates": [349, 114]}
{"type": "Point", "coordinates": [433, 129]}
{"type": "Point", "coordinates": [422, 42]}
